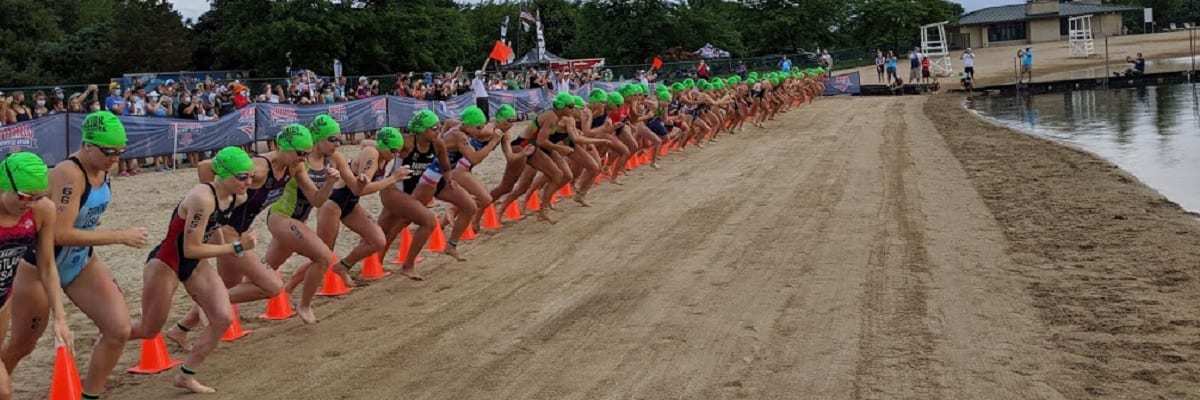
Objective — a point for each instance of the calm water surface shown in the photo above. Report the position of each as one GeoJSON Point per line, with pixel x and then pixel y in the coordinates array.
{"type": "Point", "coordinates": [1152, 132]}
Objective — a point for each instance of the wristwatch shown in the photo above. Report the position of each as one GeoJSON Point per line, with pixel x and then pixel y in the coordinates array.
{"type": "Point", "coordinates": [237, 248]}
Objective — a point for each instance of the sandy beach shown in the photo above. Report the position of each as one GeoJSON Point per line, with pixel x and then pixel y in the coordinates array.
{"type": "Point", "coordinates": [905, 250]}
{"type": "Point", "coordinates": [994, 65]}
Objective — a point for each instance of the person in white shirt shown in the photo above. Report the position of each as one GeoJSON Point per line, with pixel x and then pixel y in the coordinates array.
{"type": "Point", "coordinates": [479, 87]}
{"type": "Point", "coordinates": [968, 59]}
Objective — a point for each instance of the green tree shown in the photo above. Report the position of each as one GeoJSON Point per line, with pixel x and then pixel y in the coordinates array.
{"type": "Point", "coordinates": [23, 24]}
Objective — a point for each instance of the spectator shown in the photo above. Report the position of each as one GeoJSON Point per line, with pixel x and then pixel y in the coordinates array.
{"type": "Point", "coordinates": [137, 102]}
{"type": "Point", "coordinates": [114, 99]}
{"type": "Point", "coordinates": [891, 67]}
{"type": "Point", "coordinates": [914, 65]}
{"type": "Point", "coordinates": [785, 65]}
{"type": "Point", "coordinates": [57, 104]}
{"type": "Point", "coordinates": [880, 65]}
{"type": "Point", "coordinates": [897, 86]}
{"type": "Point", "coordinates": [479, 87]}
{"type": "Point", "coordinates": [741, 70]}
{"type": "Point", "coordinates": [1137, 66]}
{"type": "Point", "coordinates": [827, 59]}
{"type": "Point", "coordinates": [702, 70]}
{"type": "Point", "coordinates": [241, 97]}
{"type": "Point", "coordinates": [1026, 57]}
{"type": "Point", "coordinates": [39, 105]}
{"type": "Point", "coordinates": [19, 111]}
{"type": "Point", "coordinates": [6, 116]}
{"type": "Point", "coordinates": [925, 65]}
{"type": "Point", "coordinates": [968, 60]}
{"type": "Point", "coordinates": [966, 81]}
{"type": "Point", "coordinates": [364, 88]}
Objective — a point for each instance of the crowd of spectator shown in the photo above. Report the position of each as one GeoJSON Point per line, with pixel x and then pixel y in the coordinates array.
{"type": "Point", "coordinates": [210, 99]}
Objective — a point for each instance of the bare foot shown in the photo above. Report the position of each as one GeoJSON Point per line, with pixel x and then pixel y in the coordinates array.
{"type": "Point", "coordinates": [582, 201]}
{"type": "Point", "coordinates": [615, 181]}
{"type": "Point", "coordinates": [654, 165]}
{"type": "Point", "coordinates": [189, 383]}
{"type": "Point", "coordinates": [550, 205]}
{"type": "Point", "coordinates": [341, 271]}
{"type": "Point", "coordinates": [700, 144]}
{"type": "Point", "coordinates": [179, 337]}
{"type": "Point", "coordinates": [453, 252]}
{"type": "Point", "coordinates": [543, 216]}
{"type": "Point", "coordinates": [410, 272]}
{"type": "Point", "coordinates": [306, 314]}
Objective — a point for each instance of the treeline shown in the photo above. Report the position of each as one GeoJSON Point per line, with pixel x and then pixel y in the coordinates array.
{"type": "Point", "coordinates": [82, 41]}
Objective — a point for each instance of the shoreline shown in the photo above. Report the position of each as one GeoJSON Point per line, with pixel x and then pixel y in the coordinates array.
{"type": "Point", "coordinates": [1108, 261]}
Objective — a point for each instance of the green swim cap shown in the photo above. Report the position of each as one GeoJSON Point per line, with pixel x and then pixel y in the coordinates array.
{"type": "Point", "coordinates": [775, 81]}
{"type": "Point", "coordinates": [389, 138]}
{"type": "Point", "coordinates": [231, 161]}
{"type": "Point", "coordinates": [562, 100]}
{"type": "Point", "coordinates": [688, 82]}
{"type": "Point", "coordinates": [25, 172]}
{"type": "Point", "coordinates": [598, 96]}
{"type": "Point", "coordinates": [751, 81]}
{"type": "Point", "coordinates": [643, 88]}
{"type": "Point", "coordinates": [664, 96]}
{"type": "Point", "coordinates": [422, 121]}
{"type": "Point", "coordinates": [753, 75]}
{"type": "Point", "coordinates": [473, 116]}
{"type": "Point", "coordinates": [294, 137]}
{"type": "Point", "coordinates": [323, 127]}
{"type": "Point", "coordinates": [615, 99]}
{"type": "Point", "coordinates": [735, 80]}
{"type": "Point", "coordinates": [578, 102]}
{"type": "Point", "coordinates": [505, 113]}
{"type": "Point", "coordinates": [678, 86]}
{"type": "Point", "coordinates": [103, 129]}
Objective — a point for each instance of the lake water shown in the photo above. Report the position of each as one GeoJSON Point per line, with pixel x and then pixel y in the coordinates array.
{"type": "Point", "coordinates": [1152, 132]}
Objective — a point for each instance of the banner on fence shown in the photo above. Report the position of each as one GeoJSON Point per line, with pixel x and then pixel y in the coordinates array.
{"type": "Point", "coordinates": [56, 136]}
{"type": "Point", "coordinates": [45, 136]}
{"type": "Point", "coordinates": [843, 84]}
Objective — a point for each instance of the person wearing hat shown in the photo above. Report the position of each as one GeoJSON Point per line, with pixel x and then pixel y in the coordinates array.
{"type": "Point", "coordinates": [311, 185]}
{"type": "Point", "coordinates": [468, 143]}
{"type": "Point", "coordinates": [545, 133]}
{"type": "Point", "coordinates": [80, 187]}
{"type": "Point", "coordinates": [579, 164]}
{"type": "Point", "coordinates": [518, 153]}
{"type": "Point", "coordinates": [247, 278]}
{"type": "Point", "coordinates": [27, 224]}
{"type": "Point", "coordinates": [370, 175]}
{"type": "Point", "coordinates": [968, 61]}
{"type": "Point", "coordinates": [400, 206]}
{"type": "Point", "coordinates": [182, 257]}
{"type": "Point", "coordinates": [479, 90]}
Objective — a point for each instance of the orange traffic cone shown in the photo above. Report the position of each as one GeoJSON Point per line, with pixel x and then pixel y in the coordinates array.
{"type": "Point", "coordinates": [333, 285]}
{"type": "Point", "coordinates": [566, 190]}
{"type": "Point", "coordinates": [437, 242]}
{"type": "Point", "coordinates": [402, 250]}
{"type": "Point", "coordinates": [469, 233]}
{"type": "Point", "coordinates": [490, 219]}
{"type": "Point", "coordinates": [373, 268]}
{"type": "Point", "coordinates": [646, 158]}
{"type": "Point", "coordinates": [65, 384]}
{"type": "Point", "coordinates": [662, 150]}
{"type": "Point", "coordinates": [155, 358]}
{"type": "Point", "coordinates": [534, 203]}
{"type": "Point", "coordinates": [235, 331]}
{"type": "Point", "coordinates": [279, 307]}
{"type": "Point", "coordinates": [554, 198]}
{"type": "Point", "coordinates": [513, 212]}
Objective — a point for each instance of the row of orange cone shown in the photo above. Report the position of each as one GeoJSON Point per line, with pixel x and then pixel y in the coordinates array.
{"type": "Point", "coordinates": [155, 358]}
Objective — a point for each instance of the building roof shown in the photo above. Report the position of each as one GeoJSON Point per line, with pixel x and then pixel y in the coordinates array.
{"type": "Point", "coordinates": [1016, 12]}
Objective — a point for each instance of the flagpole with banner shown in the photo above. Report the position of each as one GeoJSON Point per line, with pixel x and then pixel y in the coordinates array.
{"type": "Point", "coordinates": [541, 38]}
{"type": "Point", "coordinates": [503, 38]}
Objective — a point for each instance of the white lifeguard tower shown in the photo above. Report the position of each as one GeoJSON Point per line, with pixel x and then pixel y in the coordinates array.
{"type": "Point", "coordinates": [935, 46]}
{"type": "Point", "coordinates": [1079, 33]}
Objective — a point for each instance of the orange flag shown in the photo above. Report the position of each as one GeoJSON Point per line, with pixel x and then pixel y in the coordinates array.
{"type": "Point", "coordinates": [501, 52]}
{"type": "Point", "coordinates": [657, 63]}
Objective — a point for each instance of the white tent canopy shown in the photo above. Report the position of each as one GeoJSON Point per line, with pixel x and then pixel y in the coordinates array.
{"type": "Point", "coordinates": [710, 51]}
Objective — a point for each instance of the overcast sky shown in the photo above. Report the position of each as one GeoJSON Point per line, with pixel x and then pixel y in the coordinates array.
{"type": "Point", "coordinates": [193, 8]}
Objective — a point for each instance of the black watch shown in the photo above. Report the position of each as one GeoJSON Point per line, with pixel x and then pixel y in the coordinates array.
{"type": "Point", "coordinates": [237, 248]}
